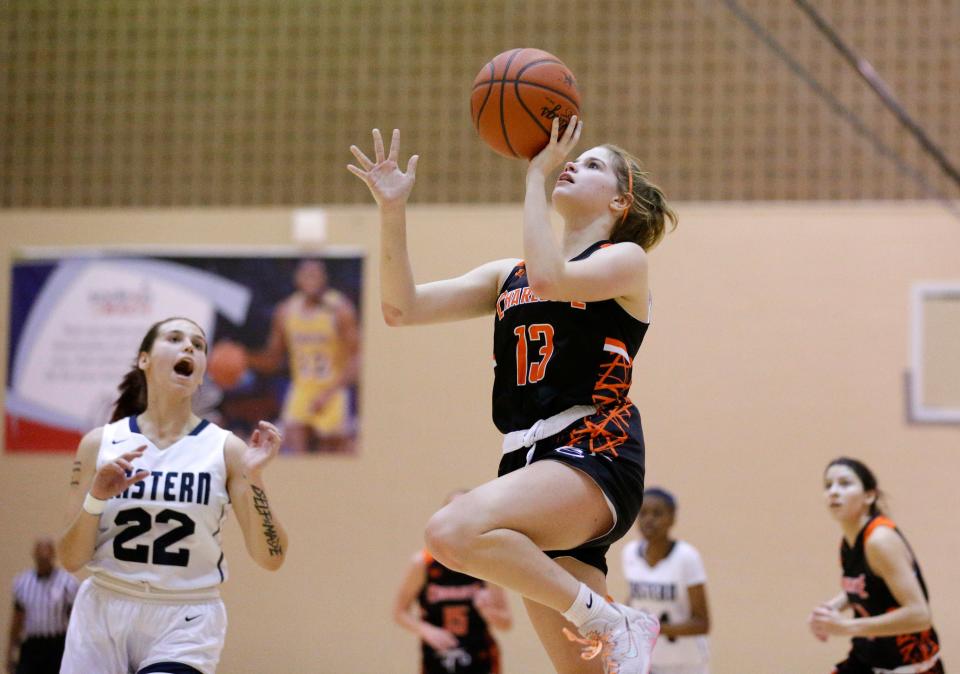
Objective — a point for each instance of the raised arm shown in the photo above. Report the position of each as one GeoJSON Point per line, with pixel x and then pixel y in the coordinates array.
{"type": "Point", "coordinates": [403, 301]}
{"type": "Point", "coordinates": [617, 272]}
{"type": "Point", "coordinates": [413, 579]}
{"type": "Point", "coordinates": [76, 545]}
{"type": "Point", "coordinates": [263, 534]}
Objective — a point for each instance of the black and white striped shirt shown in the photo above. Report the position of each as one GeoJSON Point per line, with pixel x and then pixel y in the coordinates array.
{"type": "Point", "coordinates": [45, 602]}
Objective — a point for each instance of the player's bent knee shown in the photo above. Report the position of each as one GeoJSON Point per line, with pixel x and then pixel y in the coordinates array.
{"type": "Point", "coordinates": [448, 540]}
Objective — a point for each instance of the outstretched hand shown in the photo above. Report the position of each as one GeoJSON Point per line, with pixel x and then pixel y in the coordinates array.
{"type": "Point", "coordinates": [388, 184]}
{"type": "Point", "coordinates": [263, 447]}
{"type": "Point", "coordinates": [559, 146]}
{"type": "Point", "coordinates": [118, 475]}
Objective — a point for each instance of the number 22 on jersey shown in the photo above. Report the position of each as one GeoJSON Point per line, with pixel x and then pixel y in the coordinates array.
{"type": "Point", "coordinates": [140, 522]}
{"type": "Point", "coordinates": [537, 339]}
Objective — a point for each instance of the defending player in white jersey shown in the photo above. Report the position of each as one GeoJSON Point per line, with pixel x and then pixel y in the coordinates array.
{"type": "Point", "coordinates": [667, 578]}
{"type": "Point", "coordinates": [148, 495]}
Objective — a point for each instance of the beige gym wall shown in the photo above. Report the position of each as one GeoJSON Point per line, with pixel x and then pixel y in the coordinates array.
{"type": "Point", "coordinates": [779, 340]}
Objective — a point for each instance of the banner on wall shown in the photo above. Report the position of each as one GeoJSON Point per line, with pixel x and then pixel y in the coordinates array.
{"type": "Point", "coordinates": [283, 333]}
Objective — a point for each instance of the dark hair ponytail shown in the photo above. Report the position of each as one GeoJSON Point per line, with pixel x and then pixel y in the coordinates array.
{"type": "Point", "coordinates": [133, 395]}
{"type": "Point", "coordinates": [866, 477]}
{"type": "Point", "coordinates": [133, 389]}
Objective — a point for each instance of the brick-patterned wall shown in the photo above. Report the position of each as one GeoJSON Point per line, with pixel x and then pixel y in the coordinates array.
{"type": "Point", "coordinates": [197, 102]}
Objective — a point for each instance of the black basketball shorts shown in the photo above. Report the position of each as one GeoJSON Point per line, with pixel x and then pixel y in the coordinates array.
{"type": "Point", "coordinates": [608, 447]}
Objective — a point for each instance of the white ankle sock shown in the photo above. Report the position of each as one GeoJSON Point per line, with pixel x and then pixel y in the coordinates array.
{"type": "Point", "coordinates": [587, 606]}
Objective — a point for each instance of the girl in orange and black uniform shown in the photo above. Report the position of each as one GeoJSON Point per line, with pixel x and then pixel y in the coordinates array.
{"type": "Point", "coordinates": [891, 628]}
{"type": "Point", "coordinates": [448, 600]}
{"type": "Point", "coordinates": [454, 618]}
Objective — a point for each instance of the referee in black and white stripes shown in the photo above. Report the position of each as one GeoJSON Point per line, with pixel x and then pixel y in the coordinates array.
{"type": "Point", "coordinates": [43, 597]}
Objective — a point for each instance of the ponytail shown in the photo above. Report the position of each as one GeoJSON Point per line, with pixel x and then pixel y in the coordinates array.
{"type": "Point", "coordinates": [133, 395]}
{"type": "Point", "coordinates": [644, 222]}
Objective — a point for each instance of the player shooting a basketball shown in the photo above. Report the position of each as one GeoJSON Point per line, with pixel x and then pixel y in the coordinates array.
{"type": "Point", "coordinates": [568, 320]}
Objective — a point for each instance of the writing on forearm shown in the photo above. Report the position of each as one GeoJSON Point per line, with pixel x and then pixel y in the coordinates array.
{"type": "Point", "coordinates": [269, 530]}
{"type": "Point", "coordinates": [75, 474]}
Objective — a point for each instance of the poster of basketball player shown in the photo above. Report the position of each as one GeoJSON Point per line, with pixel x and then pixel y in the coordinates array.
{"type": "Point", "coordinates": [283, 334]}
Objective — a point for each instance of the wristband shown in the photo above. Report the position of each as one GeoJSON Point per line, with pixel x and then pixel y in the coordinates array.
{"type": "Point", "coordinates": [94, 505]}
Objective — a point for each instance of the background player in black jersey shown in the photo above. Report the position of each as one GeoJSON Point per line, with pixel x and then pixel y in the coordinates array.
{"type": "Point", "coordinates": [891, 626]}
{"type": "Point", "coordinates": [454, 616]}
{"type": "Point", "coordinates": [568, 321]}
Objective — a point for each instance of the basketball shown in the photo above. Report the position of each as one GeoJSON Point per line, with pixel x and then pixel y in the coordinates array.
{"type": "Point", "coordinates": [516, 97]}
{"type": "Point", "coordinates": [226, 364]}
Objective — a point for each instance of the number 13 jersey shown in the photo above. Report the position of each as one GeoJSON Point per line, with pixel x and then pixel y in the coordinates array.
{"type": "Point", "coordinates": [166, 529]}
{"type": "Point", "coordinates": [549, 356]}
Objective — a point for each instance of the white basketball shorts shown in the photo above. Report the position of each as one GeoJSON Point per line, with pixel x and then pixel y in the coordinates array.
{"type": "Point", "coordinates": [115, 633]}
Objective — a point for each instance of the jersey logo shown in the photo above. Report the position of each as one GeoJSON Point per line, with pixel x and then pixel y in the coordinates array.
{"type": "Point", "coordinates": [570, 451]}
{"type": "Point", "coordinates": [512, 298]}
{"type": "Point", "coordinates": [653, 591]}
{"type": "Point", "coordinates": [438, 593]}
{"type": "Point", "coordinates": [191, 617]}
{"type": "Point", "coordinates": [856, 586]}
{"type": "Point", "coordinates": [183, 487]}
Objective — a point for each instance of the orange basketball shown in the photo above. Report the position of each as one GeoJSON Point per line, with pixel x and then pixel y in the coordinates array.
{"type": "Point", "coordinates": [516, 98]}
{"type": "Point", "coordinates": [226, 364]}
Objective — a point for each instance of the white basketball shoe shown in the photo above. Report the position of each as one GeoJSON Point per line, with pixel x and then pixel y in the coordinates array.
{"type": "Point", "coordinates": [625, 643]}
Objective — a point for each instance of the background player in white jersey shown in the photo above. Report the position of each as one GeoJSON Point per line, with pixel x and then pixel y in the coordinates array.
{"type": "Point", "coordinates": [568, 321]}
{"type": "Point", "coordinates": [148, 495]}
{"type": "Point", "coordinates": [667, 578]}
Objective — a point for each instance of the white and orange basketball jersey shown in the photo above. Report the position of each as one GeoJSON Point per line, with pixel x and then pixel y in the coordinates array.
{"type": "Point", "coordinates": [166, 529]}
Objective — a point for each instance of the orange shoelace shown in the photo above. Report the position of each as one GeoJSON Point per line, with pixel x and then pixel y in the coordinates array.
{"type": "Point", "coordinates": [593, 644]}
